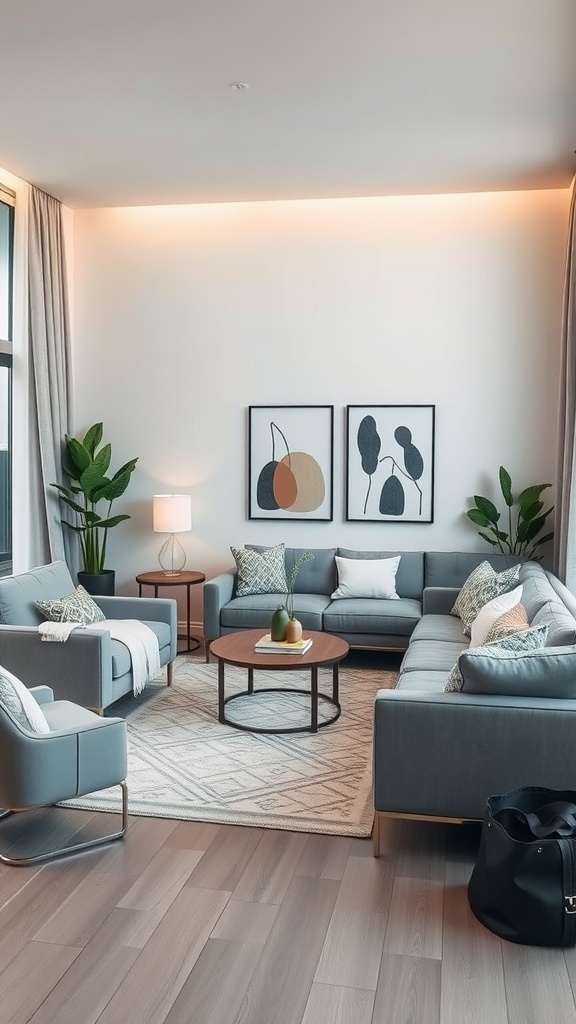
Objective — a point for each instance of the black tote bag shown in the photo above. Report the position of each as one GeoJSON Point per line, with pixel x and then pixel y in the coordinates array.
{"type": "Point", "coordinates": [523, 885]}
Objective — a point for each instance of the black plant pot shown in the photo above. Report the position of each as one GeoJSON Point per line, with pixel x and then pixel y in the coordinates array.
{"type": "Point", "coordinates": [101, 585]}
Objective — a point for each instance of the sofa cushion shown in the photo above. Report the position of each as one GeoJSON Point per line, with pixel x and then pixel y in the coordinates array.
{"type": "Point", "coordinates": [440, 627]}
{"type": "Point", "coordinates": [121, 660]}
{"type": "Point", "coordinates": [19, 594]}
{"type": "Point", "coordinates": [372, 615]}
{"type": "Point", "coordinates": [366, 577]}
{"type": "Point", "coordinates": [435, 655]}
{"type": "Point", "coordinates": [561, 624]}
{"type": "Point", "coordinates": [549, 672]}
{"type": "Point", "coordinates": [451, 568]}
{"type": "Point", "coordinates": [410, 573]}
{"type": "Point", "coordinates": [423, 682]}
{"type": "Point", "coordinates": [317, 576]}
{"type": "Point", "coordinates": [481, 586]}
{"type": "Point", "coordinates": [260, 572]}
{"type": "Point", "coordinates": [518, 643]}
{"type": "Point", "coordinates": [255, 611]}
{"type": "Point", "coordinates": [19, 702]}
{"type": "Point", "coordinates": [75, 607]}
{"type": "Point", "coordinates": [490, 612]}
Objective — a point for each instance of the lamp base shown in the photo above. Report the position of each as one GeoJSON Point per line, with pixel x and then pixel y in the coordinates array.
{"type": "Point", "coordinates": [172, 557]}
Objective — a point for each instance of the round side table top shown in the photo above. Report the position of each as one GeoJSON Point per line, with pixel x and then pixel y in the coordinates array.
{"type": "Point", "coordinates": [158, 578]}
{"type": "Point", "coordinates": [238, 649]}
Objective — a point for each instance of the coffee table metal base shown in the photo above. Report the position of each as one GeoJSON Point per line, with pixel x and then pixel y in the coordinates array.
{"type": "Point", "coordinates": [312, 693]}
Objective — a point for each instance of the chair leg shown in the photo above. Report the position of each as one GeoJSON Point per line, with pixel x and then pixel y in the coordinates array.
{"type": "Point", "coordinates": [88, 845]}
{"type": "Point", "coordinates": [169, 673]}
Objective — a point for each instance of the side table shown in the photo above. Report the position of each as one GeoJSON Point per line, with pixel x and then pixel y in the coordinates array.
{"type": "Point", "coordinates": [183, 579]}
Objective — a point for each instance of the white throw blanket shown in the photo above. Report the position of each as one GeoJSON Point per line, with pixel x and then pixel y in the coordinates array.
{"type": "Point", "coordinates": [140, 640]}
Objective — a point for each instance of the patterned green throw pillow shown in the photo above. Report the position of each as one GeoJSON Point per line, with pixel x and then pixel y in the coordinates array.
{"type": "Point", "coordinates": [482, 585]}
{"type": "Point", "coordinates": [76, 607]}
{"type": "Point", "coordinates": [260, 572]}
{"type": "Point", "coordinates": [520, 641]}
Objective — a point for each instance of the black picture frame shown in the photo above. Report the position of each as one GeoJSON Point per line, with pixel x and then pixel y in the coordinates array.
{"type": "Point", "coordinates": [291, 462]}
{"type": "Point", "coordinates": [390, 463]}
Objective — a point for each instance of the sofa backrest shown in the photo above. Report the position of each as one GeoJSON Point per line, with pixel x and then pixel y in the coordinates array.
{"type": "Point", "coordinates": [318, 576]}
{"type": "Point", "coordinates": [18, 594]}
{"type": "Point", "coordinates": [452, 568]}
{"type": "Point", "coordinates": [410, 572]}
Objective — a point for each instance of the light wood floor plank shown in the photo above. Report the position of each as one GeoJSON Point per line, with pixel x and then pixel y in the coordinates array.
{"type": "Point", "coordinates": [29, 977]}
{"type": "Point", "coordinates": [414, 923]}
{"type": "Point", "coordinates": [278, 991]}
{"type": "Point", "coordinates": [472, 968]}
{"type": "Point", "coordinates": [80, 915]}
{"type": "Point", "coordinates": [353, 947]}
{"type": "Point", "coordinates": [144, 838]}
{"type": "Point", "coordinates": [214, 991]}
{"type": "Point", "coordinates": [230, 852]}
{"type": "Point", "coordinates": [324, 856]}
{"type": "Point", "coordinates": [423, 850]}
{"type": "Point", "coordinates": [332, 1004]}
{"type": "Point", "coordinates": [11, 881]}
{"type": "Point", "coordinates": [152, 985]}
{"type": "Point", "coordinates": [161, 881]}
{"type": "Point", "coordinates": [86, 988]}
{"type": "Point", "coordinates": [537, 985]}
{"type": "Point", "coordinates": [246, 922]}
{"type": "Point", "coordinates": [43, 895]}
{"type": "Point", "coordinates": [270, 869]}
{"type": "Point", "coordinates": [408, 991]}
{"type": "Point", "coordinates": [193, 835]}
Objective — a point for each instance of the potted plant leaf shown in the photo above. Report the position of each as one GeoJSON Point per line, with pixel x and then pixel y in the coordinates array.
{"type": "Point", "coordinates": [87, 467]}
{"type": "Point", "coordinates": [526, 519]}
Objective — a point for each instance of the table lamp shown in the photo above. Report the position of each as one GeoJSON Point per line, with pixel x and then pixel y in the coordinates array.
{"type": "Point", "coordinates": [172, 513]}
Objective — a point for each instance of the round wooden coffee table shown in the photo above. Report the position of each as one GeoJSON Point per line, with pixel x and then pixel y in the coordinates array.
{"type": "Point", "coordinates": [238, 649]}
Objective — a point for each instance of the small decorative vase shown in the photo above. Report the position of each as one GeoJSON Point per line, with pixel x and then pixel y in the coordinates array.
{"type": "Point", "coordinates": [279, 623]}
{"type": "Point", "coordinates": [293, 631]}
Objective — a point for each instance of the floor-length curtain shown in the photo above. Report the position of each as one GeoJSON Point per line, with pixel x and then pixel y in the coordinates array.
{"type": "Point", "coordinates": [565, 526]}
{"type": "Point", "coordinates": [50, 396]}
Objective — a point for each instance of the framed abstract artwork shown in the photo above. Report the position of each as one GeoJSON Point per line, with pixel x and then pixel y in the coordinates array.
{"type": "Point", "coordinates": [390, 463]}
{"type": "Point", "coordinates": [290, 462]}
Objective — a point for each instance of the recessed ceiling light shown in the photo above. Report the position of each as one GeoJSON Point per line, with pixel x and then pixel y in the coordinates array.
{"type": "Point", "coordinates": [239, 86]}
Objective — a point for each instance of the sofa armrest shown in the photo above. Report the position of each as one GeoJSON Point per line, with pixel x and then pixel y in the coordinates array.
{"type": "Point", "coordinates": [217, 593]}
{"type": "Point", "coordinates": [42, 694]}
{"type": "Point", "coordinates": [78, 670]}
{"type": "Point", "coordinates": [155, 609]}
{"type": "Point", "coordinates": [444, 754]}
{"type": "Point", "coordinates": [438, 600]}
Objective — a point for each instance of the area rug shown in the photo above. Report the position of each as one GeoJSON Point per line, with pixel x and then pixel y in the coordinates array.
{"type": "Point", "coordinates": [184, 764]}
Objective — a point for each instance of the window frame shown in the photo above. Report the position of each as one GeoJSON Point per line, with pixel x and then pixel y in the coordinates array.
{"type": "Point", "coordinates": [8, 198]}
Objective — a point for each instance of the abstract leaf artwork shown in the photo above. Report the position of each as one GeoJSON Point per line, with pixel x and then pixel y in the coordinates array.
{"type": "Point", "coordinates": [390, 463]}
{"type": "Point", "coordinates": [290, 461]}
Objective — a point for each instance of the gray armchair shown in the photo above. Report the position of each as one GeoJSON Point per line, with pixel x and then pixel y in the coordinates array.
{"type": "Point", "coordinates": [89, 668]}
{"type": "Point", "coordinates": [80, 754]}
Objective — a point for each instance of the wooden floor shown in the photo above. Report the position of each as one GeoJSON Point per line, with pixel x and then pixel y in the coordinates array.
{"type": "Point", "coordinates": [190, 923]}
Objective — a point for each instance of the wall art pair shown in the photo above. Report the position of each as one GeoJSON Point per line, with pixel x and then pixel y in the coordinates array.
{"type": "Point", "coordinates": [389, 463]}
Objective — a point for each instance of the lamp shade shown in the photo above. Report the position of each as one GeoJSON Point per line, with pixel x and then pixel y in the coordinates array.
{"type": "Point", "coordinates": [172, 513]}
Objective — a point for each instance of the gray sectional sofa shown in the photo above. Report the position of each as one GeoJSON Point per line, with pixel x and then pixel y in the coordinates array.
{"type": "Point", "coordinates": [440, 755]}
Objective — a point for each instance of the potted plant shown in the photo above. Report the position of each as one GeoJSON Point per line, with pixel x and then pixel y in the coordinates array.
{"type": "Point", "coordinates": [284, 624]}
{"type": "Point", "coordinates": [86, 466]}
{"type": "Point", "coordinates": [526, 519]}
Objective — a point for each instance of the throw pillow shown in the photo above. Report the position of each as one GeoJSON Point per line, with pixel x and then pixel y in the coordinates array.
{"type": "Point", "coordinates": [19, 702]}
{"type": "Point", "coordinates": [490, 612]}
{"type": "Point", "coordinates": [520, 642]}
{"type": "Point", "coordinates": [367, 577]}
{"type": "Point", "coordinates": [511, 622]}
{"type": "Point", "coordinates": [260, 572]}
{"type": "Point", "coordinates": [76, 607]}
{"type": "Point", "coordinates": [482, 585]}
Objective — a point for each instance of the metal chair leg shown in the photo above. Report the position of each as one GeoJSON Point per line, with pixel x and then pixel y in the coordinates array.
{"type": "Point", "coordinates": [64, 851]}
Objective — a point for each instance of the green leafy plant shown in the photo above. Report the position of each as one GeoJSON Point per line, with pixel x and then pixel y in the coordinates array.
{"type": "Point", "coordinates": [291, 579]}
{"type": "Point", "coordinates": [526, 519]}
{"type": "Point", "coordinates": [86, 467]}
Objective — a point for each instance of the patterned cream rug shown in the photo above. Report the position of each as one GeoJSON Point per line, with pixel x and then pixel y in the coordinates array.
{"type": "Point", "coordinates": [184, 764]}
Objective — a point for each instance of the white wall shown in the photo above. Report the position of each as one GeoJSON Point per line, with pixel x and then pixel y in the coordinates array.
{"type": "Point", "coordinates": [186, 315]}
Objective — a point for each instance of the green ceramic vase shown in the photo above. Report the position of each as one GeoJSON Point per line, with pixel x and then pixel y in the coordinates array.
{"type": "Point", "coordinates": [279, 623]}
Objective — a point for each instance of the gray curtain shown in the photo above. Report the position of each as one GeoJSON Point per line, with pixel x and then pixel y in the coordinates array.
{"type": "Point", "coordinates": [565, 525]}
{"type": "Point", "coordinates": [50, 394]}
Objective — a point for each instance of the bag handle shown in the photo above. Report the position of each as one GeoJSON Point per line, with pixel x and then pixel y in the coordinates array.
{"type": "Point", "coordinates": [553, 819]}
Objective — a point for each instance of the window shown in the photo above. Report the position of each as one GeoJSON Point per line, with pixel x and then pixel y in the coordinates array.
{"type": "Point", "coordinates": [6, 281]}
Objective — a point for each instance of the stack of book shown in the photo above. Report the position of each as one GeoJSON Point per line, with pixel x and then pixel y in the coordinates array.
{"type": "Point", "coordinates": [266, 645]}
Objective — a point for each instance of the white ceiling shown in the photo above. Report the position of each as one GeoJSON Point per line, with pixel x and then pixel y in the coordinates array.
{"type": "Point", "coordinates": [123, 102]}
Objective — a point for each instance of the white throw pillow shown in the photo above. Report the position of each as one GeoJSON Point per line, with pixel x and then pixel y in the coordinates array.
{"type": "Point", "coordinates": [15, 698]}
{"type": "Point", "coordinates": [367, 577]}
{"type": "Point", "coordinates": [491, 611]}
